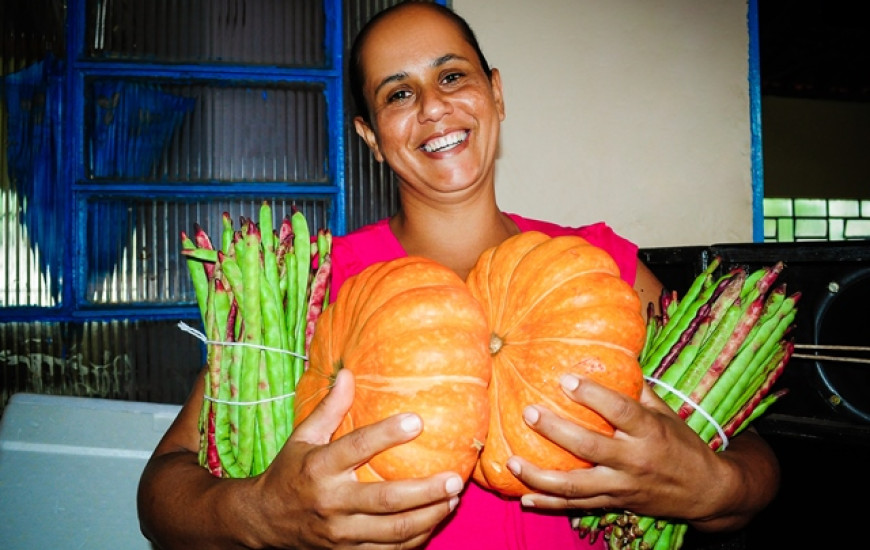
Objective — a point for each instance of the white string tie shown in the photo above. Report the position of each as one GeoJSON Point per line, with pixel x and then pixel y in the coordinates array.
{"type": "Point", "coordinates": [202, 337]}
{"type": "Point", "coordinates": [694, 405]}
{"type": "Point", "coordinates": [243, 403]}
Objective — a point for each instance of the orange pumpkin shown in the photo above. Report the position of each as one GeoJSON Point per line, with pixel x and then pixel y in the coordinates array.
{"type": "Point", "coordinates": [416, 340]}
{"type": "Point", "coordinates": [554, 305]}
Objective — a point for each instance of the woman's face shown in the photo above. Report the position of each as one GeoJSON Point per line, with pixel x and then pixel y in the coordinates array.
{"type": "Point", "coordinates": [435, 113]}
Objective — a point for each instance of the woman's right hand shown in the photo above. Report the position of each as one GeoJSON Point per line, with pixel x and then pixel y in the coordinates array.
{"type": "Point", "coordinates": [313, 499]}
{"type": "Point", "coordinates": [308, 497]}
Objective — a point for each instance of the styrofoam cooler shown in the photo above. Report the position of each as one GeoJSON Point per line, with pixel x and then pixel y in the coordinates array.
{"type": "Point", "coordinates": [69, 469]}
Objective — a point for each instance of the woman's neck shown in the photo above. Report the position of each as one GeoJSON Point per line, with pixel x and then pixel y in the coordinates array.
{"type": "Point", "coordinates": [453, 237]}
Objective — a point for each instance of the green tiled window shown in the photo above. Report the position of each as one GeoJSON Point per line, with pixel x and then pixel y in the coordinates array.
{"type": "Point", "coordinates": [812, 219]}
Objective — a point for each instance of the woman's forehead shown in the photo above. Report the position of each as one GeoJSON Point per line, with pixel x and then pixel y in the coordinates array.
{"type": "Point", "coordinates": [413, 36]}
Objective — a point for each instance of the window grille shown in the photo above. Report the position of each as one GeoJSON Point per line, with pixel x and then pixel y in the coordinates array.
{"type": "Point", "coordinates": [806, 219]}
{"type": "Point", "coordinates": [125, 122]}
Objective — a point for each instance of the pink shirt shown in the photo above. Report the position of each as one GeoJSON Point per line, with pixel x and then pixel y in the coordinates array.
{"type": "Point", "coordinates": [484, 520]}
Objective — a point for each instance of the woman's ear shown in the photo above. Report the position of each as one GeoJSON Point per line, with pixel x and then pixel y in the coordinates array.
{"type": "Point", "coordinates": [495, 81]}
{"type": "Point", "coordinates": [364, 130]}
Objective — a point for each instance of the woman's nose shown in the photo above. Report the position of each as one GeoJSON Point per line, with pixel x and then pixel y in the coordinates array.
{"type": "Point", "coordinates": [433, 105]}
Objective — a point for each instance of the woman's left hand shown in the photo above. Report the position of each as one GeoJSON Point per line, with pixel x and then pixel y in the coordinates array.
{"type": "Point", "coordinates": [654, 464]}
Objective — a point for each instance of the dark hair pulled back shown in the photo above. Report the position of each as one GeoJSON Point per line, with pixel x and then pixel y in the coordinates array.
{"type": "Point", "coordinates": [355, 69]}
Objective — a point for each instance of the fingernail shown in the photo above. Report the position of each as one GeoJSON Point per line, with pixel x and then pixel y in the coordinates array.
{"type": "Point", "coordinates": [453, 485]}
{"type": "Point", "coordinates": [569, 382]}
{"type": "Point", "coordinates": [453, 502]}
{"type": "Point", "coordinates": [531, 415]}
{"type": "Point", "coordinates": [411, 423]}
{"type": "Point", "coordinates": [527, 501]}
{"type": "Point", "coordinates": [514, 467]}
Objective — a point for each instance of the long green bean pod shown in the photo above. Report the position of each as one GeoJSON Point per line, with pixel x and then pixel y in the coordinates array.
{"type": "Point", "coordinates": [278, 365]}
{"type": "Point", "coordinates": [198, 276]}
{"type": "Point", "coordinates": [721, 312]}
{"type": "Point", "coordinates": [302, 251]}
{"type": "Point", "coordinates": [290, 308]}
{"type": "Point", "coordinates": [665, 538]}
{"type": "Point", "coordinates": [324, 249]}
{"type": "Point", "coordinates": [212, 388]}
{"type": "Point", "coordinates": [729, 385]}
{"type": "Point", "coordinates": [248, 252]}
{"type": "Point", "coordinates": [227, 232]}
{"type": "Point", "coordinates": [274, 337]}
{"type": "Point", "coordinates": [769, 339]}
{"type": "Point", "coordinates": [685, 308]}
{"type": "Point", "coordinates": [234, 374]}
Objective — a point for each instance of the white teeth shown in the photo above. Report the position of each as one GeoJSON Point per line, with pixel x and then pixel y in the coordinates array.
{"type": "Point", "coordinates": [445, 142]}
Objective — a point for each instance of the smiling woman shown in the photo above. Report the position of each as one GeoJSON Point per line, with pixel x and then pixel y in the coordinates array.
{"type": "Point", "coordinates": [409, 97]}
{"type": "Point", "coordinates": [431, 109]}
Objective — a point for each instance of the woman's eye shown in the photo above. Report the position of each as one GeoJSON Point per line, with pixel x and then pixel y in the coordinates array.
{"type": "Point", "coordinates": [452, 77]}
{"type": "Point", "coordinates": [398, 96]}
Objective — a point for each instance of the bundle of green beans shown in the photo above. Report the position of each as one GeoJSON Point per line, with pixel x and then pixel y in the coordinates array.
{"type": "Point", "coordinates": [722, 347]}
{"type": "Point", "coordinates": [260, 293]}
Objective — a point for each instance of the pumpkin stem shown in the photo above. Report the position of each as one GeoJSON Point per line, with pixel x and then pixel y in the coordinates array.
{"type": "Point", "coordinates": [495, 343]}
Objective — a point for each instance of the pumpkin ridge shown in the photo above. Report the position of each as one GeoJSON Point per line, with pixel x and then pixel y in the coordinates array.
{"type": "Point", "coordinates": [477, 279]}
{"type": "Point", "coordinates": [313, 399]}
{"type": "Point", "coordinates": [530, 307]}
{"type": "Point", "coordinates": [414, 383]}
{"type": "Point", "coordinates": [371, 315]}
{"type": "Point", "coordinates": [495, 429]}
{"type": "Point", "coordinates": [560, 274]}
{"type": "Point", "coordinates": [580, 342]}
{"type": "Point", "coordinates": [385, 277]}
{"type": "Point", "coordinates": [358, 293]}
{"type": "Point", "coordinates": [504, 263]}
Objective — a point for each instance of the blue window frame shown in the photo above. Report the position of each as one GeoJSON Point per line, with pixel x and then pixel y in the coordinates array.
{"type": "Point", "coordinates": [170, 113]}
{"type": "Point", "coordinates": [131, 121]}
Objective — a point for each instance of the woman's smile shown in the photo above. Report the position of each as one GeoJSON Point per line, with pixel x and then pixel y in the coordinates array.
{"type": "Point", "coordinates": [445, 143]}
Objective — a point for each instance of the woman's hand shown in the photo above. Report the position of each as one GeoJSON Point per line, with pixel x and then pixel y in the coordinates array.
{"type": "Point", "coordinates": [307, 498]}
{"type": "Point", "coordinates": [315, 497]}
{"type": "Point", "coordinates": [653, 465]}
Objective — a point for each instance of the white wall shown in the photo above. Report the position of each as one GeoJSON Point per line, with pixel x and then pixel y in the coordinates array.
{"type": "Point", "coordinates": [635, 112]}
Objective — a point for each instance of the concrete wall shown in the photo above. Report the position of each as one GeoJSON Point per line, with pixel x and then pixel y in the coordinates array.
{"type": "Point", "coordinates": [635, 112]}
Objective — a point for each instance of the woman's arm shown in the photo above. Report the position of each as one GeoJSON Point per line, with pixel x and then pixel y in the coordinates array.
{"type": "Point", "coordinates": [649, 289]}
{"type": "Point", "coordinates": [307, 498]}
{"type": "Point", "coordinates": [181, 505]}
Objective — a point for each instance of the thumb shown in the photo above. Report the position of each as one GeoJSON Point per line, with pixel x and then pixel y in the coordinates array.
{"type": "Point", "coordinates": [329, 413]}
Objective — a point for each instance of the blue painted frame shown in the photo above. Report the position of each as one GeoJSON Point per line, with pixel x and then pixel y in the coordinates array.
{"type": "Point", "coordinates": [77, 189]}
{"type": "Point", "coordinates": [755, 125]}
